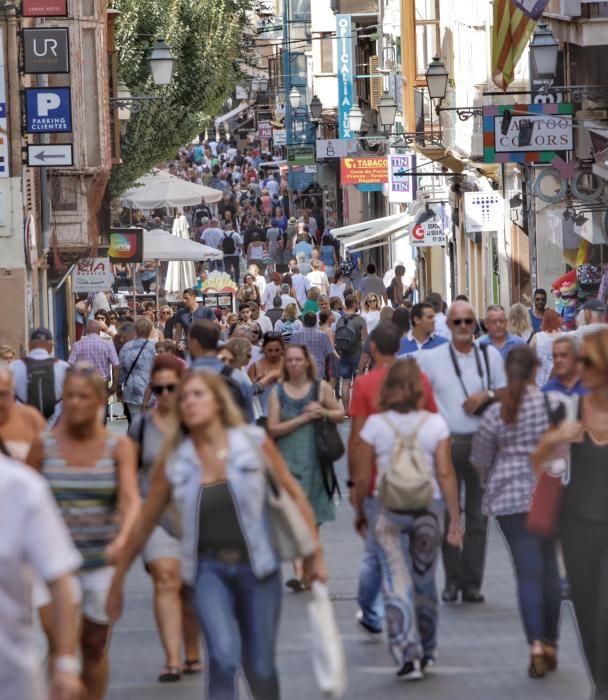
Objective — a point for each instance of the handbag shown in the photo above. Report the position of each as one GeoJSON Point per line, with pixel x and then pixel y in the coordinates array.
{"type": "Point", "coordinates": [329, 448]}
{"type": "Point", "coordinates": [328, 657]}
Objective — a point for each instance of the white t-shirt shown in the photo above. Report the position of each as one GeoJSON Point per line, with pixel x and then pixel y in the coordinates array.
{"type": "Point", "coordinates": [337, 290]}
{"type": "Point", "coordinates": [34, 541]}
{"type": "Point", "coordinates": [318, 278]}
{"type": "Point", "coordinates": [437, 365]}
{"type": "Point", "coordinates": [300, 286]}
{"type": "Point", "coordinates": [213, 237]}
{"type": "Point", "coordinates": [269, 294]}
{"type": "Point", "coordinates": [381, 436]}
{"type": "Point", "coordinates": [265, 323]}
{"type": "Point", "coordinates": [372, 318]}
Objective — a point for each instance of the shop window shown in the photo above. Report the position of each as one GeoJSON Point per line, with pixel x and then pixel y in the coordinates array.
{"type": "Point", "coordinates": [327, 53]}
{"type": "Point", "coordinates": [428, 41]}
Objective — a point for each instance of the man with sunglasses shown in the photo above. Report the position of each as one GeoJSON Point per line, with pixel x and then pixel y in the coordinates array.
{"type": "Point", "coordinates": [465, 380]}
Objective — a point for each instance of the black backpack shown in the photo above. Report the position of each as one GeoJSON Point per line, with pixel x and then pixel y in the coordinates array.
{"type": "Point", "coordinates": [235, 390]}
{"type": "Point", "coordinates": [41, 385]}
{"type": "Point", "coordinates": [345, 337]}
{"type": "Point", "coordinates": [228, 244]}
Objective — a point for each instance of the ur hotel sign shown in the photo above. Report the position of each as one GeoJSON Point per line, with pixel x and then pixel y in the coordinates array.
{"type": "Point", "coordinates": [46, 50]}
{"type": "Point", "coordinates": [345, 73]}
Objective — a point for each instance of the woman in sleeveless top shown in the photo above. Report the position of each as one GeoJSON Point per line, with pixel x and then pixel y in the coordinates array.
{"type": "Point", "coordinates": [92, 475]}
{"type": "Point", "coordinates": [20, 425]}
{"type": "Point", "coordinates": [584, 522]}
{"type": "Point", "coordinates": [215, 467]}
{"type": "Point", "coordinates": [542, 344]}
{"type": "Point", "coordinates": [294, 405]}
{"type": "Point", "coordinates": [265, 373]}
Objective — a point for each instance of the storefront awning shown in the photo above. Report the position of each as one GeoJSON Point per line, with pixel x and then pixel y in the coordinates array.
{"type": "Point", "coordinates": [374, 233]}
{"type": "Point", "coordinates": [232, 114]}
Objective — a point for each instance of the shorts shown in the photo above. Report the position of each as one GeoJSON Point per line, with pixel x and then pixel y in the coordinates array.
{"type": "Point", "coordinates": [161, 545]}
{"type": "Point", "coordinates": [91, 592]}
{"type": "Point", "coordinates": [348, 366]}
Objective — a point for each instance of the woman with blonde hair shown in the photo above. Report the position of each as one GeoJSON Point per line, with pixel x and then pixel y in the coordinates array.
{"type": "Point", "coordinates": [215, 467]}
{"type": "Point", "coordinates": [371, 311]}
{"type": "Point", "coordinates": [542, 344]}
{"type": "Point", "coordinates": [409, 540]}
{"type": "Point", "coordinates": [289, 324]}
{"type": "Point", "coordinates": [518, 322]}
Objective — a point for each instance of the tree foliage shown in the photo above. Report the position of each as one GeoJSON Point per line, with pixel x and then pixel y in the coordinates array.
{"type": "Point", "coordinates": [211, 41]}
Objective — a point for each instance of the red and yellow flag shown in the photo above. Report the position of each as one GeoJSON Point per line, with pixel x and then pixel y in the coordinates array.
{"type": "Point", "coordinates": [514, 22]}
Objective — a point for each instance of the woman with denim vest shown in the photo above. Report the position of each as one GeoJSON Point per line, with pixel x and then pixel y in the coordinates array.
{"type": "Point", "coordinates": [214, 467]}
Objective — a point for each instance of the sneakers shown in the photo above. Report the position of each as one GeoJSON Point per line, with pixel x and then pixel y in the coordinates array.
{"type": "Point", "coordinates": [411, 671]}
{"type": "Point", "coordinates": [366, 627]}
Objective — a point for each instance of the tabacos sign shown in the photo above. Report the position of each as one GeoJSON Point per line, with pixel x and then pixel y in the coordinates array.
{"type": "Point", "coordinates": [364, 171]}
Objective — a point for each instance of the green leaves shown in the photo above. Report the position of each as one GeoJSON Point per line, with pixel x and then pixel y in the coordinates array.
{"type": "Point", "coordinates": [211, 41]}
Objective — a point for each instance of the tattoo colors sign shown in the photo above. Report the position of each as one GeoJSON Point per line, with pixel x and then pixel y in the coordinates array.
{"type": "Point", "coordinates": [368, 170]}
{"type": "Point", "coordinates": [401, 180]}
{"type": "Point", "coordinates": [44, 8]}
{"type": "Point", "coordinates": [345, 73]}
{"type": "Point", "coordinates": [126, 245]}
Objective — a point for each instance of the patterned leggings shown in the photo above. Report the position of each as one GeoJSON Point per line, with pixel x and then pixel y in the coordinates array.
{"type": "Point", "coordinates": [408, 548]}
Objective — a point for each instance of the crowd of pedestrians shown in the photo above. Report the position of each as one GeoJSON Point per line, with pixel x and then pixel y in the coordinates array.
{"type": "Point", "coordinates": [449, 420]}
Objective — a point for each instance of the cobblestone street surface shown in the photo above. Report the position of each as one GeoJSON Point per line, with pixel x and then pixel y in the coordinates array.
{"type": "Point", "coordinates": [482, 653]}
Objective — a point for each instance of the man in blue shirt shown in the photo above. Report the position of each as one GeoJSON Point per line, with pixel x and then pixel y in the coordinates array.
{"type": "Point", "coordinates": [538, 309]}
{"type": "Point", "coordinates": [422, 334]}
{"type": "Point", "coordinates": [566, 377]}
{"type": "Point", "coordinates": [498, 335]}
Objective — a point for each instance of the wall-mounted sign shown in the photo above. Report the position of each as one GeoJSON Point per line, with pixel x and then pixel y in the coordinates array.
{"type": "Point", "coordinates": [4, 169]}
{"type": "Point", "coordinates": [279, 137]}
{"type": "Point", "coordinates": [50, 155]}
{"type": "Point", "coordinates": [93, 276]}
{"type": "Point", "coordinates": [301, 155]}
{"type": "Point", "coordinates": [46, 50]}
{"type": "Point", "coordinates": [44, 8]}
{"type": "Point", "coordinates": [430, 233]}
{"type": "Point", "coordinates": [344, 31]}
{"type": "Point", "coordinates": [401, 183]}
{"type": "Point", "coordinates": [483, 211]}
{"type": "Point", "coordinates": [364, 171]}
{"type": "Point", "coordinates": [549, 126]}
{"type": "Point", "coordinates": [264, 130]}
{"type": "Point", "coordinates": [334, 148]}
{"type": "Point", "coordinates": [126, 245]}
{"type": "Point", "coordinates": [48, 110]}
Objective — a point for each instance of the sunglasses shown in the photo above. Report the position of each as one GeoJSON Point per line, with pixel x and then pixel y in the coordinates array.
{"type": "Point", "coordinates": [159, 389]}
{"type": "Point", "coordinates": [461, 321]}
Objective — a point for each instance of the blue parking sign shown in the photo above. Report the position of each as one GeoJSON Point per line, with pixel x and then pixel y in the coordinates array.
{"type": "Point", "coordinates": [48, 110]}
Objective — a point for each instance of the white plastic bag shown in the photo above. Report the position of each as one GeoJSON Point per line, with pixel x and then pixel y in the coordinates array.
{"type": "Point", "coordinates": [328, 658]}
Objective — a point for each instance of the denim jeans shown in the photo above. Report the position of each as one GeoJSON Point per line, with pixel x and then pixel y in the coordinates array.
{"type": "Point", "coordinates": [538, 584]}
{"type": "Point", "coordinates": [409, 545]}
{"type": "Point", "coordinates": [369, 595]}
{"type": "Point", "coordinates": [239, 615]}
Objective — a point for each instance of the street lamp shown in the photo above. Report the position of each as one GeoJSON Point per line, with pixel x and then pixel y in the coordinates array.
{"type": "Point", "coordinates": [544, 50]}
{"type": "Point", "coordinates": [294, 98]}
{"type": "Point", "coordinates": [316, 109]}
{"type": "Point", "coordinates": [437, 79]}
{"type": "Point", "coordinates": [161, 63]}
{"type": "Point", "coordinates": [355, 119]}
{"type": "Point", "coordinates": [387, 109]}
{"type": "Point", "coordinates": [123, 94]}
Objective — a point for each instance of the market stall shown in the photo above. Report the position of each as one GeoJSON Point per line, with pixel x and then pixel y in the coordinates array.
{"type": "Point", "coordinates": [161, 190]}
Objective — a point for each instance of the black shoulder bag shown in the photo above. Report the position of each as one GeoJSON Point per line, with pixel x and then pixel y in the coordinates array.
{"type": "Point", "coordinates": [132, 367]}
{"type": "Point", "coordinates": [484, 352]}
{"type": "Point", "coordinates": [330, 448]}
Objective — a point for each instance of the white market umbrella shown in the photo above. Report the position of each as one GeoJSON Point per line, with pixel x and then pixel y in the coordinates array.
{"type": "Point", "coordinates": [161, 190]}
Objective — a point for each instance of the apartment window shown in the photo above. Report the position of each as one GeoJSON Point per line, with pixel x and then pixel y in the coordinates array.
{"type": "Point", "coordinates": [327, 53]}
{"type": "Point", "coordinates": [427, 34]}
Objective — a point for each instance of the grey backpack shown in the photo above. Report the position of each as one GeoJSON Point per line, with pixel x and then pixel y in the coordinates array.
{"type": "Point", "coordinates": [408, 482]}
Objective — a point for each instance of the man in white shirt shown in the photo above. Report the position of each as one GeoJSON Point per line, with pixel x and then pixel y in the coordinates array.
{"type": "Point", "coordinates": [441, 322]}
{"type": "Point", "coordinates": [213, 237]}
{"type": "Point", "coordinates": [271, 291]}
{"type": "Point", "coordinates": [34, 539]}
{"type": "Point", "coordinates": [286, 297]}
{"type": "Point", "coordinates": [465, 378]}
{"type": "Point", "coordinates": [300, 285]}
{"type": "Point", "coordinates": [260, 318]}
{"type": "Point", "coordinates": [318, 278]}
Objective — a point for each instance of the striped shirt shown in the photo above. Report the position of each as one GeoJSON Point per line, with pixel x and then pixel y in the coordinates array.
{"type": "Point", "coordinates": [87, 499]}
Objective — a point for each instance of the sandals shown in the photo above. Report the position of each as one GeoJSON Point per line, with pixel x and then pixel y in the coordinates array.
{"type": "Point", "coordinates": [170, 674]}
{"type": "Point", "coordinates": [192, 666]}
{"type": "Point", "coordinates": [538, 667]}
{"type": "Point", "coordinates": [550, 655]}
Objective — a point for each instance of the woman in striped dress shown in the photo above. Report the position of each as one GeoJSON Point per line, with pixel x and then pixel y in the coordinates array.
{"type": "Point", "coordinates": [93, 476]}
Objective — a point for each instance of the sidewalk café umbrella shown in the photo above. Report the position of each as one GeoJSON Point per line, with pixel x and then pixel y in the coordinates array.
{"type": "Point", "coordinates": [181, 253]}
{"type": "Point", "coordinates": [161, 190]}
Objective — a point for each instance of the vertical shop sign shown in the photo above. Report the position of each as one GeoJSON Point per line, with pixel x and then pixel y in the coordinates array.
{"type": "Point", "coordinates": [3, 118]}
{"type": "Point", "coordinates": [401, 183]}
{"type": "Point", "coordinates": [345, 73]}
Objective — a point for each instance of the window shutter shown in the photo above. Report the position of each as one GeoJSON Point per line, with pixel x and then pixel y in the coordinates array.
{"type": "Point", "coordinates": [375, 83]}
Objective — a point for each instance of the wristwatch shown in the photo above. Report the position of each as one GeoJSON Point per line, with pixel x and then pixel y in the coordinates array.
{"type": "Point", "coordinates": [491, 394]}
{"type": "Point", "coordinates": [68, 664]}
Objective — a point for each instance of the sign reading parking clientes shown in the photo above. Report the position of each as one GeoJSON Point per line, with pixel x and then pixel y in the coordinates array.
{"type": "Point", "coordinates": [431, 233]}
{"type": "Point", "coordinates": [48, 110]}
{"type": "Point", "coordinates": [344, 30]}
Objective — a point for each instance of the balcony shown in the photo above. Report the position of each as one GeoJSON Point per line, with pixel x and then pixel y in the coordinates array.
{"type": "Point", "coordinates": [355, 7]}
{"type": "Point", "coordinates": [579, 22]}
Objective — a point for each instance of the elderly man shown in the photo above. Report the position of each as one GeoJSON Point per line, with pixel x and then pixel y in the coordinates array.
{"type": "Point", "coordinates": [594, 311]}
{"type": "Point", "coordinates": [136, 360]}
{"type": "Point", "coordinates": [39, 377]}
{"type": "Point", "coordinates": [99, 353]}
{"type": "Point", "coordinates": [566, 378]}
{"type": "Point", "coordinates": [464, 383]}
{"type": "Point", "coordinates": [498, 336]}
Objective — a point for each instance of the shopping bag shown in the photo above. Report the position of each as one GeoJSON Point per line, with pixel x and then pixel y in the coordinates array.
{"type": "Point", "coordinates": [546, 506]}
{"type": "Point", "coordinates": [328, 657]}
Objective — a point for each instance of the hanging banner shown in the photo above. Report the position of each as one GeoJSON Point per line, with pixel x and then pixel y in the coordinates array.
{"type": "Point", "coordinates": [483, 211]}
{"type": "Point", "coordinates": [364, 171]}
{"type": "Point", "coordinates": [401, 183]}
{"type": "Point", "coordinates": [126, 245]}
{"type": "Point", "coordinates": [4, 172]}
{"type": "Point", "coordinates": [93, 276]}
{"type": "Point", "coordinates": [345, 73]}
{"type": "Point", "coordinates": [431, 233]}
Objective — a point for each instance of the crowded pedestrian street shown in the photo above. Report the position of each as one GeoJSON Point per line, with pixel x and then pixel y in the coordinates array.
{"type": "Point", "coordinates": [303, 350]}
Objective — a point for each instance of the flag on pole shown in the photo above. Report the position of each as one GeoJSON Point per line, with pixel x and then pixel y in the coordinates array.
{"type": "Point", "coordinates": [514, 22]}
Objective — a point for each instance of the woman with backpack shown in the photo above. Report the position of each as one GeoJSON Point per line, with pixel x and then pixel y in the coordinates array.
{"type": "Point", "coordinates": [410, 449]}
{"type": "Point", "coordinates": [509, 432]}
{"type": "Point", "coordinates": [289, 324]}
{"type": "Point", "coordinates": [161, 555]}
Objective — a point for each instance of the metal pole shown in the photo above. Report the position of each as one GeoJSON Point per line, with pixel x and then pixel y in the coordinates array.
{"type": "Point", "coordinates": [45, 214]}
{"type": "Point", "coordinates": [133, 266]}
{"type": "Point", "coordinates": [287, 86]}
